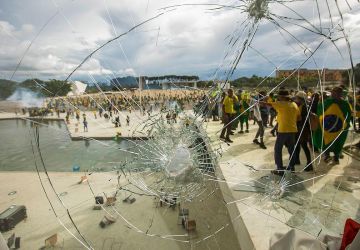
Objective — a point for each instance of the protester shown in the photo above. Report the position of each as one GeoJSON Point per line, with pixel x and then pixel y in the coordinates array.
{"type": "Point", "coordinates": [334, 120]}
{"type": "Point", "coordinates": [168, 118]}
{"type": "Point", "coordinates": [272, 111]}
{"type": "Point", "coordinates": [264, 109]}
{"type": "Point", "coordinates": [214, 111]}
{"type": "Point", "coordinates": [220, 104]}
{"type": "Point", "coordinates": [228, 115]}
{"type": "Point", "coordinates": [303, 135]}
{"type": "Point", "coordinates": [127, 120]}
{"type": "Point", "coordinates": [258, 118]}
{"type": "Point", "coordinates": [78, 115]}
{"type": "Point", "coordinates": [287, 117]}
{"type": "Point", "coordinates": [244, 114]}
{"type": "Point", "coordinates": [85, 125]}
{"type": "Point", "coordinates": [314, 102]}
{"type": "Point", "coordinates": [237, 108]}
{"type": "Point", "coordinates": [117, 121]}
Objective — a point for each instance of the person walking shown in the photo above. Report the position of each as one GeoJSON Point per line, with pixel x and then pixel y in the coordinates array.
{"type": "Point", "coordinates": [258, 118]}
{"type": "Point", "coordinates": [127, 120]}
{"type": "Point", "coordinates": [85, 123]}
{"type": "Point", "coordinates": [228, 115]}
{"type": "Point", "coordinates": [287, 117]}
{"type": "Point", "coordinates": [237, 108]}
{"type": "Point", "coordinates": [272, 111]}
{"type": "Point", "coordinates": [77, 115]}
{"type": "Point", "coordinates": [244, 114]}
{"type": "Point", "coordinates": [303, 135]}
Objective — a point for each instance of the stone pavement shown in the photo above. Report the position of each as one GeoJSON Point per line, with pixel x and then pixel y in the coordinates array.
{"type": "Point", "coordinates": [315, 202]}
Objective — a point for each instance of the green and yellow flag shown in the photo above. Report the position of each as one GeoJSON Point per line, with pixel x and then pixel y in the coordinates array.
{"type": "Point", "coordinates": [334, 121]}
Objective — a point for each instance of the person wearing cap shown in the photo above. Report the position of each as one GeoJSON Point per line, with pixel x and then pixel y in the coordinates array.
{"type": "Point", "coordinates": [287, 117]}
{"type": "Point", "coordinates": [228, 115]}
{"type": "Point", "coordinates": [334, 121]}
{"type": "Point", "coordinates": [304, 132]}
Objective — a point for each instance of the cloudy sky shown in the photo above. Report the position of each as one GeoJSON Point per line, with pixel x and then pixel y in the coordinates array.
{"type": "Point", "coordinates": [52, 37]}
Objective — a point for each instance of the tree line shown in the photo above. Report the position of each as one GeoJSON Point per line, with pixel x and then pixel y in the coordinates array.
{"type": "Point", "coordinates": [56, 87]}
{"type": "Point", "coordinates": [48, 88]}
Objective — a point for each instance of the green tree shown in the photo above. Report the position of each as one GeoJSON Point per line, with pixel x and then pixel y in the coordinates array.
{"type": "Point", "coordinates": [55, 88]}
{"type": "Point", "coordinates": [7, 88]}
{"type": "Point", "coordinates": [345, 75]}
{"type": "Point", "coordinates": [32, 84]}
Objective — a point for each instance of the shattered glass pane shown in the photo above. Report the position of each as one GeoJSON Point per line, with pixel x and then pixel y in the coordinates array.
{"type": "Point", "coordinates": [165, 178]}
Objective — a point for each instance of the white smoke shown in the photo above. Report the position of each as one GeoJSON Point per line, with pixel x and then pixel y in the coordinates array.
{"type": "Point", "coordinates": [26, 98]}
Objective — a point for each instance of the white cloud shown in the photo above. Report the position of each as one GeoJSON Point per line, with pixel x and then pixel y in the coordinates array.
{"type": "Point", "coordinates": [27, 28]}
{"type": "Point", "coordinates": [191, 39]}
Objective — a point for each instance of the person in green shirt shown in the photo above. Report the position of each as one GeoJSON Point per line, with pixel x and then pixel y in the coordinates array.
{"type": "Point", "coordinates": [237, 107]}
{"type": "Point", "coordinates": [244, 115]}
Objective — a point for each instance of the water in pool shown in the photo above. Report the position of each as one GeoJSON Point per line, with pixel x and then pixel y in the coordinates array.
{"type": "Point", "coordinates": [60, 153]}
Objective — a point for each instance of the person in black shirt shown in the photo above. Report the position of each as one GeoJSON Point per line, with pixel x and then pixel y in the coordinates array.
{"type": "Point", "coordinates": [304, 133]}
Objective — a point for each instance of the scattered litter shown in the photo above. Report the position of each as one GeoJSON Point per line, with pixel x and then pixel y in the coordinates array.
{"type": "Point", "coordinates": [99, 200]}
{"type": "Point", "coordinates": [83, 179]}
{"type": "Point", "coordinates": [107, 220]}
{"type": "Point", "coordinates": [63, 193]}
{"type": "Point", "coordinates": [76, 168]}
{"type": "Point", "coordinates": [97, 207]}
{"type": "Point", "coordinates": [51, 241]}
{"type": "Point", "coordinates": [129, 200]}
{"type": "Point", "coordinates": [110, 201]}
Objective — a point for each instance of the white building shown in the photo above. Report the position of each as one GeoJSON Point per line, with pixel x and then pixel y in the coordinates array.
{"type": "Point", "coordinates": [77, 88]}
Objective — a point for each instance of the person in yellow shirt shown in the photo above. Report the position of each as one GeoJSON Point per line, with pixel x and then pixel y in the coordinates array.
{"type": "Point", "coordinates": [228, 115]}
{"type": "Point", "coordinates": [287, 116]}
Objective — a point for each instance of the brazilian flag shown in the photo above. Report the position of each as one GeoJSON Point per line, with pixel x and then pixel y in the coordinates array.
{"type": "Point", "coordinates": [334, 121]}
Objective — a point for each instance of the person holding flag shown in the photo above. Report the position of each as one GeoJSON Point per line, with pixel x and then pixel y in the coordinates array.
{"type": "Point", "coordinates": [334, 122]}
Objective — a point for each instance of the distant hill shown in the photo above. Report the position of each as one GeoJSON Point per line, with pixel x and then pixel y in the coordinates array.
{"type": "Point", "coordinates": [125, 82]}
{"type": "Point", "coordinates": [7, 88]}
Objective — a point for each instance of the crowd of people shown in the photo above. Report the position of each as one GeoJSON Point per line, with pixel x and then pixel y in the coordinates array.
{"type": "Point", "coordinates": [124, 101]}
{"type": "Point", "coordinates": [110, 105]}
{"type": "Point", "coordinates": [304, 120]}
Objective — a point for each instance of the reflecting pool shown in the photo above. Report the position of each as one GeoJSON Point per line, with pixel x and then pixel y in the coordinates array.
{"type": "Point", "coordinates": [59, 151]}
